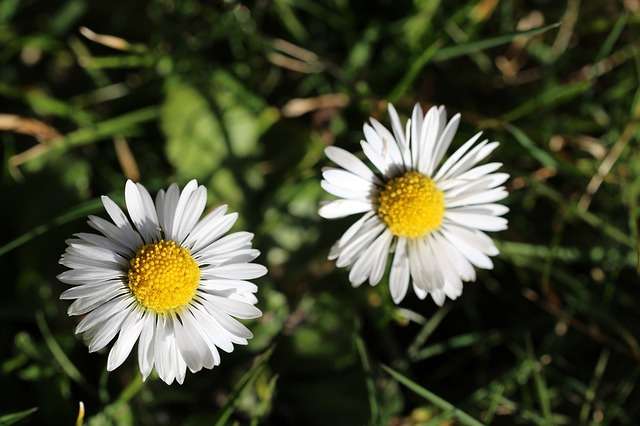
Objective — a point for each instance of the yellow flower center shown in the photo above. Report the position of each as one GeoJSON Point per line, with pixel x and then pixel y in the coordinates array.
{"type": "Point", "coordinates": [411, 205]}
{"type": "Point", "coordinates": [163, 276]}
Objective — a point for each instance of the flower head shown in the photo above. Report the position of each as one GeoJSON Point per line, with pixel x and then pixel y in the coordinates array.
{"type": "Point", "coordinates": [171, 282]}
{"type": "Point", "coordinates": [431, 213]}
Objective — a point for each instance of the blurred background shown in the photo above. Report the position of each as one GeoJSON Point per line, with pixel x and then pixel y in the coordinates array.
{"type": "Point", "coordinates": [244, 97]}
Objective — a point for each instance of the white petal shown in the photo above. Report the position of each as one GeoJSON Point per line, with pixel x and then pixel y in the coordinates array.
{"type": "Point", "coordinates": [351, 163]}
{"type": "Point", "coordinates": [477, 221]}
{"type": "Point", "coordinates": [212, 331]}
{"type": "Point", "coordinates": [180, 208]}
{"type": "Point", "coordinates": [468, 199]}
{"type": "Point", "coordinates": [167, 209]}
{"type": "Point", "coordinates": [428, 139]}
{"type": "Point", "coordinates": [353, 249]}
{"type": "Point", "coordinates": [416, 131]}
{"type": "Point", "coordinates": [234, 271]}
{"type": "Point", "coordinates": [455, 157]}
{"type": "Point", "coordinates": [233, 307]}
{"type": "Point", "coordinates": [146, 352]}
{"type": "Point", "coordinates": [192, 212]}
{"type": "Point", "coordinates": [353, 229]}
{"type": "Point", "coordinates": [142, 212]}
{"type": "Point", "coordinates": [210, 228]}
{"type": "Point", "coordinates": [444, 142]}
{"type": "Point", "coordinates": [226, 244]}
{"type": "Point", "coordinates": [104, 312]}
{"type": "Point", "coordinates": [94, 289]}
{"type": "Point", "coordinates": [460, 239]}
{"type": "Point", "coordinates": [82, 276]}
{"type": "Point", "coordinates": [380, 252]}
{"type": "Point", "coordinates": [129, 333]}
{"type": "Point", "coordinates": [348, 193]}
{"type": "Point", "coordinates": [100, 336]}
{"type": "Point", "coordinates": [86, 304]}
{"type": "Point", "coordinates": [400, 272]}
{"type": "Point", "coordinates": [344, 179]}
{"type": "Point", "coordinates": [341, 208]}
{"type": "Point", "coordinates": [402, 137]}
{"type": "Point", "coordinates": [192, 346]}
{"type": "Point", "coordinates": [438, 296]}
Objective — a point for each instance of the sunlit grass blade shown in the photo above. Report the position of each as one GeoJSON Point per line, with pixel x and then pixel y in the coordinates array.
{"type": "Point", "coordinates": [13, 418]}
{"type": "Point", "coordinates": [461, 416]}
{"type": "Point", "coordinates": [371, 386]}
{"type": "Point", "coordinates": [447, 53]}
{"type": "Point", "coordinates": [259, 365]}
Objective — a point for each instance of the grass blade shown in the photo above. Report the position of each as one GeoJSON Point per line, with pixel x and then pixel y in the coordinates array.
{"type": "Point", "coordinates": [540, 384]}
{"type": "Point", "coordinates": [57, 352]}
{"type": "Point", "coordinates": [13, 418]}
{"type": "Point", "coordinates": [258, 366]}
{"type": "Point", "coordinates": [412, 73]}
{"type": "Point", "coordinates": [447, 53]}
{"type": "Point", "coordinates": [73, 214]}
{"type": "Point", "coordinates": [434, 399]}
{"type": "Point", "coordinates": [427, 330]}
{"type": "Point", "coordinates": [371, 387]}
{"type": "Point", "coordinates": [536, 152]}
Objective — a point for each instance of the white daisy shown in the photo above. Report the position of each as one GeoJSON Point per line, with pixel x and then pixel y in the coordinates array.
{"type": "Point", "coordinates": [171, 282]}
{"type": "Point", "coordinates": [433, 214]}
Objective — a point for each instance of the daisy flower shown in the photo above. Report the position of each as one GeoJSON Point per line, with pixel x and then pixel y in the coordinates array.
{"type": "Point", "coordinates": [167, 280]}
{"type": "Point", "coordinates": [432, 213]}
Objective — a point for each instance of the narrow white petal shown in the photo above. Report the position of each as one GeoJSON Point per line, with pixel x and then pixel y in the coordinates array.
{"type": "Point", "coordinates": [468, 199]}
{"type": "Point", "coordinates": [144, 218]}
{"type": "Point", "coordinates": [461, 240]}
{"type": "Point", "coordinates": [146, 353]}
{"type": "Point", "coordinates": [180, 208]}
{"type": "Point", "coordinates": [351, 163]}
{"type": "Point", "coordinates": [234, 271]}
{"type": "Point", "coordinates": [356, 246]}
{"type": "Point", "coordinates": [348, 193]}
{"type": "Point", "coordinates": [444, 141]}
{"type": "Point", "coordinates": [192, 212]}
{"type": "Point", "coordinates": [477, 221]}
{"type": "Point", "coordinates": [455, 157]}
{"type": "Point", "coordinates": [344, 179]}
{"type": "Point", "coordinates": [341, 208]}
{"type": "Point", "coordinates": [128, 336]}
{"type": "Point", "coordinates": [400, 272]}
{"type": "Point", "coordinates": [380, 252]}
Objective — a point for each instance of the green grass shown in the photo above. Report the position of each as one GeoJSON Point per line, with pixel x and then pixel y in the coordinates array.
{"type": "Point", "coordinates": [204, 90]}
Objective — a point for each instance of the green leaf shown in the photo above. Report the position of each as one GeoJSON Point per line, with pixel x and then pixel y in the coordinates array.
{"type": "Point", "coordinates": [195, 144]}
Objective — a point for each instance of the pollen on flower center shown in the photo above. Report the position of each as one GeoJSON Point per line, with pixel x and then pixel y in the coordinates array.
{"type": "Point", "coordinates": [411, 205]}
{"type": "Point", "coordinates": [163, 276]}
